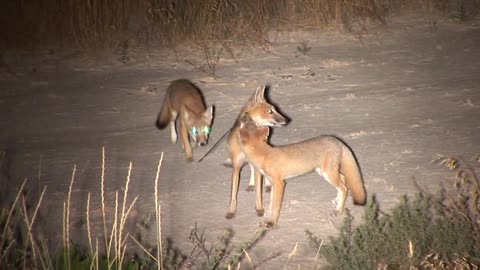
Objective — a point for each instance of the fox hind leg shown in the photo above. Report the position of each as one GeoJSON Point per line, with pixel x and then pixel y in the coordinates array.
{"type": "Point", "coordinates": [268, 184]}
{"type": "Point", "coordinates": [253, 178]}
{"type": "Point", "coordinates": [251, 183]}
{"type": "Point", "coordinates": [337, 181]}
{"type": "Point", "coordinates": [259, 194]}
{"type": "Point", "coordinates": [173, 130]}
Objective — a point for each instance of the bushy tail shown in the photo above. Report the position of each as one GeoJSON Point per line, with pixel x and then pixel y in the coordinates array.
{"type": "Point", "coordinates": [164, 115]}
{"type": "Point", "coordinates": [353, 177]}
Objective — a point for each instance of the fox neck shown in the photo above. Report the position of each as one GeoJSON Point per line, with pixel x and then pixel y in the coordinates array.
{"type": "Point", "coordinates": [256, 152]}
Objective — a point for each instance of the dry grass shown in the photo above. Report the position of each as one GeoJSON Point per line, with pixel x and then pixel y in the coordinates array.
{"type": "Point", "coordinates": [116, 244]}
{"type": "Point", "coordinates": [33, 250]}
{"type": "Point", "coordinates": [106, 247]}
{"type": "Point", "coordinates": [158, 216]}
{"type": "Point", "coordinates": [29, 251]}
{"type": "Point", "coordinates": [115, 24]}
{"type": "Point", "coordinates": [7, 222]}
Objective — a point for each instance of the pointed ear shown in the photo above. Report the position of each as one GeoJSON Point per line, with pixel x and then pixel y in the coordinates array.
{"type": "Point", "coordinates": [208, 114]}
{"type": "Point", "coordinates": [258, 95]}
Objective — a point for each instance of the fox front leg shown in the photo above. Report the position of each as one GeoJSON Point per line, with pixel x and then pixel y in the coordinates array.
{"type": "Point", "coordinates": [278, 190]}
{"type": "Point", "coordinates": [259, 194]}
{"type": "Point", "coordinates": [237, 166]}
{"type": "Point", "coordinates": [186, 142]}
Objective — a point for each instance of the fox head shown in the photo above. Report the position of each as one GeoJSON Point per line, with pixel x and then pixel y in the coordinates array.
{"type": "Point", "coordinates": [199, 125]}
{"type": "Point", "coordinates": [250, 132]}
{"type": "Point", "coordinates": [262, 112]}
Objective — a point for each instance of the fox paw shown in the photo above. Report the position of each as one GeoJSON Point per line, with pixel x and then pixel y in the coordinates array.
{"type": "Point", "coordinates": [268, 224]}
{"type": "Point", "coordinates": [338, 212]}
{"type": "Point", "coordinates": [230, 215]}
{"type": "Point", "coordinates": [334, 202]}
{"type": "Point", "coordinates": [250, 188]}
{"type": "Point", "coordinates": [260, 212]}
{"type": "Point", "coordinates": [228, 165]}
{"type": "Point", "coordinates": [189, 159]}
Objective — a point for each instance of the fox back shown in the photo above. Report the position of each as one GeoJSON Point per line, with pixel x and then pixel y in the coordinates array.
{"type": "Point", "coordinates": [325, 153]}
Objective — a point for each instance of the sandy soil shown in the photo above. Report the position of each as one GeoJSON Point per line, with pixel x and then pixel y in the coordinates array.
{"type": "Point", "coordinates": [399, 96]}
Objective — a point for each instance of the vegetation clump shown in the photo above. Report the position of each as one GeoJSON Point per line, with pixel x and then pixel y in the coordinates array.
{"type": "Point", "coordinates": [428, 231]}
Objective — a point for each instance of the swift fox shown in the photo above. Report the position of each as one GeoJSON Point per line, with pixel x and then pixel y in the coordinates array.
{"type": "Point", "coordinates": [262, 114]}
{"type": "Point", "coordinates": [184, 101]}
{"type": "Point", "coordinates": [327, 155]}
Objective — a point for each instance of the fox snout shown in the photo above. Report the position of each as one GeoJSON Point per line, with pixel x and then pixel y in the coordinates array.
{"type": "Point", "coordinates": [276, 119]}
{"type": "Point", "coordinates": [201, 140]}
{"type": "Point", "coordinates": [279, 121]}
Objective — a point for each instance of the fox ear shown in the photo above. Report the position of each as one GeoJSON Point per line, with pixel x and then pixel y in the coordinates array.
{"type": "Point", "coordinates": [208, 114]}
{"type": "Point", "coordinates": [258, 96]}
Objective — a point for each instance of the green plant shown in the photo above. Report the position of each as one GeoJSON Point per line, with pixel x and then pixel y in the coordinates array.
{"type": "Point", "coordinates": [426, 230]}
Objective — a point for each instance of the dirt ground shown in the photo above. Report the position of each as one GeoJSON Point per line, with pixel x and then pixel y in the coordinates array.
{"type": "Point", "coordinates": [398, 95]}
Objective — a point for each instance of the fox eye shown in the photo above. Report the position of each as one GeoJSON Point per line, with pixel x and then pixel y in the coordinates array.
{"type": "Point", "coordinates": [195, 131]}
{"type": "Point", "coordinates": [206, 130]}
{"type": "Point", "coordinates": [269, 111]}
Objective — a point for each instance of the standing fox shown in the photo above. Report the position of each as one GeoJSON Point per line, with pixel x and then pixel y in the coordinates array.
{"type": "Point", "coordinates": [262, 114]}
{"type": "Point", "coordinates": [184, 100]}
{"type": "Point", "coordinates": [327, 155]}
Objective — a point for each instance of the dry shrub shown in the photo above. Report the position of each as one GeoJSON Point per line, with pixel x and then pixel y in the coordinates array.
{"type": "Point", "coordinates": [108, 23]}
{"type": "Point", "coordinates": [113, 23]}
{"type": "Point", "coordinates": [460, 10]}
{"type": "Point", "coordinates": [207, 20]}
{"type": "Point", "coordinates": [428, 231]}
{"type": "Point", "coordinates": [84, 23]}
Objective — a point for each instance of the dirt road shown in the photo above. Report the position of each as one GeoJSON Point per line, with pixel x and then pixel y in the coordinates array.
{"type": "Point", "coordinates": [398, 96]}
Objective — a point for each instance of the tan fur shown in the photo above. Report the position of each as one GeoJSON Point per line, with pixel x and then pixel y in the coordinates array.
{"type": "Point", "coordinates": [264, 114]}
{"type": "Point", "coordinates": [327, 155]}
{"type": "Point", "coordinates": [184, 101]}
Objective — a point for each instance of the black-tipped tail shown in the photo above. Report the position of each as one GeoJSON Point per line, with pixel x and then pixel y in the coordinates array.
{"type": "Point", "coordinates": [161, 124]}
{"type": "Point", "coordinates": [163, 116]}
